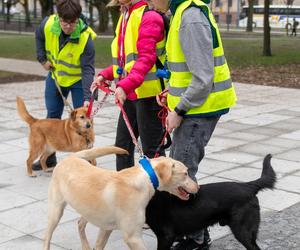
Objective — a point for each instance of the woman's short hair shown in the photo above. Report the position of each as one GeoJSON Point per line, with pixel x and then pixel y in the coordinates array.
{"type": "Point", "coordinates": [69, 10]}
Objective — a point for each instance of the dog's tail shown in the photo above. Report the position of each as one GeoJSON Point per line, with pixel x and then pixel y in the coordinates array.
{"type": "Point", "coordinates": [93, 153]}
{"type": "Point", "coordinates": [23, 113]}
{"type": "Point", "coordinates": [268, 176]}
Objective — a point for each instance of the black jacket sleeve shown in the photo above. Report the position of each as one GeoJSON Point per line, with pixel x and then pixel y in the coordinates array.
{"type": "Point", "coordinates": [40, 42]}
{"type": "Point", "coordinates": [87, 61]}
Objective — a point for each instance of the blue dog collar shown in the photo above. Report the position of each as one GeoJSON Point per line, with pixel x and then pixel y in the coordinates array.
{"type": "Point", "coordinates": [148, 168]}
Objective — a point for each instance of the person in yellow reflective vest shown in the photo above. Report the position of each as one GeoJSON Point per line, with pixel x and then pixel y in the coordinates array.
{"type": "Point", "coordinates": [136, 48]}
{"type": "Point", "coordinates": [200, 87]}
{"type": "Point", "coordinates": [65, 48]}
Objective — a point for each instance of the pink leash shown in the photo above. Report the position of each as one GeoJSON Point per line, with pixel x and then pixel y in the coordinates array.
{"type": "Point", "coordinates": [105, 88]}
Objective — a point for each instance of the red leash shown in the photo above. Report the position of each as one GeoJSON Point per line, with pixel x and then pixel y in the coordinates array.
{"type": "Point", "coordinates": [162, 114]}
{"type": "Point", "coordinates": [134, 140]}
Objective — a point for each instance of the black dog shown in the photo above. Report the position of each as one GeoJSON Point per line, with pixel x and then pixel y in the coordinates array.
{"type": "Point", "coordinates": [227, 203]}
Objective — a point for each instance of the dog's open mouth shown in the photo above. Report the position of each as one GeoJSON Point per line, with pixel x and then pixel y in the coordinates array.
{"type": "Point", "coordinates": [183, 194]}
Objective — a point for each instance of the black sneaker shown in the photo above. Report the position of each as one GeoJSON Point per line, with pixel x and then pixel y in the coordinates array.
{"type": "Point", "coordinates": [50, 162]}
{"type": "Point", "coordinates": [190, 244]}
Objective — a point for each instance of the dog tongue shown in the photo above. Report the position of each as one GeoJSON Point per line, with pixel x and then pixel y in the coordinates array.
{"type": "Point", "coordinates": [183, 193]}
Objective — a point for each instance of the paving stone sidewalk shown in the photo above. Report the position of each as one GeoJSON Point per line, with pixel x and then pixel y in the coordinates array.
{"type": "Point", "coordinates": [265, 120]}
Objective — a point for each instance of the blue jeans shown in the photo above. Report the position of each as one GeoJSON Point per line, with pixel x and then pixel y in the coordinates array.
{"type": "Point", "coordinates": [53, 100]}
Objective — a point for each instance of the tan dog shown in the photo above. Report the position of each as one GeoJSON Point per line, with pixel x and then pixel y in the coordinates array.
{"type": "Point", "coordinates": [50, 135]}
{"type": "Point", "coordinates": [109, 199]}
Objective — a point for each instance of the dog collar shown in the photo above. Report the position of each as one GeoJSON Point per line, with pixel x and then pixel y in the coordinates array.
{"type": "Point", "coordinates": [145, 163]}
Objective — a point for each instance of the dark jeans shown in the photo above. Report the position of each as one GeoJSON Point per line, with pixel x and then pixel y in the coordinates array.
{"type": "Point", "coordinates": [143, 118]}
{"type": "Point", "coordinates": [189, 142]}
{"type": "Point", "coordinates": [54, 102]}
{"type": "Point", "coordinates": [190, 139]}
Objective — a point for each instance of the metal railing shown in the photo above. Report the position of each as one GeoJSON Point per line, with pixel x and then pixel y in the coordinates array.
{"type": "Point", "coordinates": [17, 23]}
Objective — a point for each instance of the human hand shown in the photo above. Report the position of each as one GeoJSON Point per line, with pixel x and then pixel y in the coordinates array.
{"type": "Point", "coordinates": [96, 83]}
{"type": "Point", "coordinates": [173, 121]}
{"type": "Point", "coordinates": [120, 95]}
{"type": "Point", "coordinates": [86, 104]}
{"type": "Point", "coordinates": [47, 65]}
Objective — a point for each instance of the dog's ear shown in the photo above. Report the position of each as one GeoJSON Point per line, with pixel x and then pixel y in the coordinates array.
{"type": "Point", "coordinates": [164, 171]}
{"type": "Point", "coordinates": [73, 115]}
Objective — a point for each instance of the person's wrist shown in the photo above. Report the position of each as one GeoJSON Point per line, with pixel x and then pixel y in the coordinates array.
{"type": "Point", "coordinates": [179, 112]}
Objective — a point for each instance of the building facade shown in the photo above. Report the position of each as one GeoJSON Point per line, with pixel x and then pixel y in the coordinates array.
{"type": "Point", "coordinates": [229, 10]}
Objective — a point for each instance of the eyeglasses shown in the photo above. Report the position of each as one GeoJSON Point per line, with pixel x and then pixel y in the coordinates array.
{"type": "Point", "coordinates": [68, 23]}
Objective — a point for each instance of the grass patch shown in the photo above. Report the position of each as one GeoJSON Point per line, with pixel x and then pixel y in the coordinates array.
{"type": "Point", "coordinates": [240, 52]}
{"type": "Point", "coordinates": [243, 52]}
{"type": "Point", "coordinates": [103, 52]}
{"type": "Point", "coordinates": [17, 46]}
{"type": "Point", "coordinates": [248, 52]}
{"type": "Point", "coordinates": [23, 47]}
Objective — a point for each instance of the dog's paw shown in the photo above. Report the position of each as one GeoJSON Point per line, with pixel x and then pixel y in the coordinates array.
{"type": "Point", "coordinates": [49, 170]}
{"type": "Point", "coordinates": [32, 175]}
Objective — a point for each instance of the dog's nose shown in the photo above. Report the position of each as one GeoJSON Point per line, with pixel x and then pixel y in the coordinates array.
{"type": "Point", "coordinates": [88, 125]}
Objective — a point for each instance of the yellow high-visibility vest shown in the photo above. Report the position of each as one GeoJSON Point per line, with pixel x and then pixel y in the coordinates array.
{"type": "Point", "coordinates": [222, 95]}
{"type": "Point", "coordinates": [66, 61]}
{"type": "Point", "coordinates": [151, 85]}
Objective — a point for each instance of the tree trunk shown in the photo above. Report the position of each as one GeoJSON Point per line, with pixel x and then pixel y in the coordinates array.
{"type": "Point", "coordinates": [8, 6]}
{"type": "Point", "coordinates": [3, 7]}
{"type": "Point", "coordinates": [115, 14]}
{"type": "Point", "coordinates": [91, 24]}
{"type": "Point", "coordinates": [34, 9]}
{"type": "Point", "coordinates": [249, 27]}
{"type": "Point", "coordinates": [103, 17]}
{"type": "Point", "coordinates": [27, 14]}
{"type": "Point", "coordinates": [47, 7]}
{"type": "Point", "coordinates": [267, 29]}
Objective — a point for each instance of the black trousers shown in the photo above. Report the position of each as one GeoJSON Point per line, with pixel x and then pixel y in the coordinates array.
{"type": "Point", "coordinates": [143, 117]}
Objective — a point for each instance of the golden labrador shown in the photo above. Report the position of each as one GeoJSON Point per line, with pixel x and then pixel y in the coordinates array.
{"type": "Point", "coordinates": [109, 199]}
{"type": "Point", "coordinates": [49, 135]}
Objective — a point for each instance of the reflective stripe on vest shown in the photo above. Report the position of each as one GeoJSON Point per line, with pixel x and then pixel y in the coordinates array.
{"type": "Point", "coordinates": [69, 65]}
{"type": "Point", "coordinates": [67, 60]}
{"type": "Point", "coordinates": [151, 85]}
{"type": "Point", "coordinates": [217, 86]}
{"type": "Point", "coordinates": [222, 94]}
{"type": "Point", "coordinates": [182, 66]}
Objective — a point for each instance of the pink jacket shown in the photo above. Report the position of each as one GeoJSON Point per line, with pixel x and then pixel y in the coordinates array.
{"type": "Point", "coordinates": [151, 32]}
